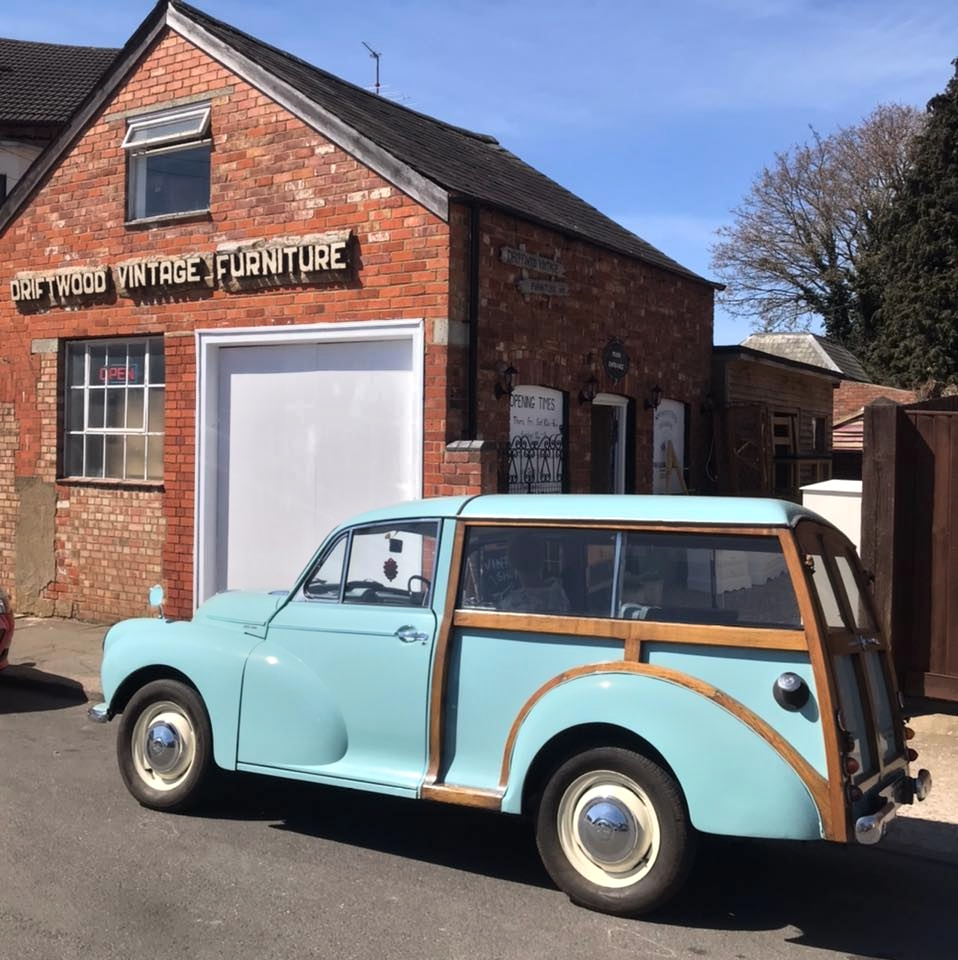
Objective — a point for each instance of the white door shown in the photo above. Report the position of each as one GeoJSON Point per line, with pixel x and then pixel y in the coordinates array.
{"type": "Point", "coordinates": [306, 434]}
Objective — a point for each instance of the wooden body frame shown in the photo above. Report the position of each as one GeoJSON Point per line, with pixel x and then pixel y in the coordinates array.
{"type": "Point", "coordinates": [828, 792]}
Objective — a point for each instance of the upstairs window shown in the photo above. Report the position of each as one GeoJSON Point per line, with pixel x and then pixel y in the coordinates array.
{"type": "Point", "coordinates": [168, 163]}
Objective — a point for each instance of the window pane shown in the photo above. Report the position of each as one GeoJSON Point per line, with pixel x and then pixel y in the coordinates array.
{"type": "Point", "coordinates": [175, 181]}
{"type": "Point", "coordinates": [135, 457]}
{"type": "Point", "coordinates": [115, 408]}
{"type": "Point", "coordinates": [849, 699]}
{"type": "Point", "coordinates": [539, 570]}
{"type": "Point", "coordinates": [706, 579]}
{"type": "Point", "coordinates": [94, 456]}
{"type": "Point", "coordinates": [154, 462]}
{"type": "Point", "coordinates": [157, 416]}
{"type": "Point", "coordinates": [76, 365]}
{"type": "Point", "coordinates": [325, 581]}
{"type": "Point", "coordinates": [74, 411]}
{"type": "Point", "coordinates": [826, 594]}
{"type": "Point", "coordinates": [391, 565]}
{"type": "Point", "coordinates": [178, 126]}
{"type": "Point", "coordinates": [97, 365]}
{"type": "Point", "coordinates": [134, 408]}
{"type": "Point", "coordinates": [114, 457]}
{"type": "Point", "coordinates": [73, 458]}
{"type": "Point", "coordinates": [856, 601]}
{"type": "Point", "coordinates": [157, 362]}
{"type": "Point", "coordinates": [95, 418]}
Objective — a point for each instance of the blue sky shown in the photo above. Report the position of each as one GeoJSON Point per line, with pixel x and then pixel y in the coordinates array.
{"type": "Point", "coordinates": [659, 114]}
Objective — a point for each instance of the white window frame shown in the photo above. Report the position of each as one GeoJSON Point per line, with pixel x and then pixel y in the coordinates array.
{"type": "Point", "coordinates": [81, 392]}
{"type": "Point", "coordinates": [195, 134]}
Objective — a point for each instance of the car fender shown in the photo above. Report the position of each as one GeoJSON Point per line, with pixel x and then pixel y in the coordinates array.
{"type": "Point", "coordinates": [210, 658]}
{"type": "Point", "coordinates": [734, 779]}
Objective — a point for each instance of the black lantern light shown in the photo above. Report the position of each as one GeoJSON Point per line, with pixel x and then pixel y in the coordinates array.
{"type": "Point", "coordinates": [507, 380]}
{"type": "Point", "coordinates": [654, 398]}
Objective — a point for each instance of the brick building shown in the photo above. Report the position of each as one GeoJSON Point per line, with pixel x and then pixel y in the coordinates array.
{"type": "Point", "coordinates": [244, 298]}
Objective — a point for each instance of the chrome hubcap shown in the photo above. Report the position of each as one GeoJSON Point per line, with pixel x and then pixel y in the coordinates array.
{"type": "Point", "coordinates": [608, 828]}
{"type": "Point", "coordinates": [163, 746]}
{"type": "Point", "coordinates": [608, 831]}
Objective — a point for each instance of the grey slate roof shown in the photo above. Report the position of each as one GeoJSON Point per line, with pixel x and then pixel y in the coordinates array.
{"type": "Point", "coordinates": [468, 165]}
{"type": "Point", "coordinates": [811, 349]}
{"type": "Point", "coordinates": [43, 83]}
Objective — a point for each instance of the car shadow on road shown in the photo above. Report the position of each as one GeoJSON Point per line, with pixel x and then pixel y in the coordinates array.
{"type": "Point", "coordinates": [24, 689]}
{"type": "Point", "coordinates": [861, 902]}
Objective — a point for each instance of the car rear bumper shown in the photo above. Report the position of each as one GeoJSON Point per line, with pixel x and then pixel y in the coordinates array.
{"type": "Point", "coordinates": [871, 828]}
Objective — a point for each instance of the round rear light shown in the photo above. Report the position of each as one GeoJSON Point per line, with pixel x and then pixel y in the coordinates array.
{"type": "Point", "coordinates": [909, 733]}
{"type": "Point", "coordinates": [852, 765]}
{"type": "Point", "coordinates": [854, 793]}
{"type": "Point", "coordinates": [912, 754]}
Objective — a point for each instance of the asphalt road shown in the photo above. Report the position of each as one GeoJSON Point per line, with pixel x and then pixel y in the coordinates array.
{"type": "Point", "coordinates": [278, 870]}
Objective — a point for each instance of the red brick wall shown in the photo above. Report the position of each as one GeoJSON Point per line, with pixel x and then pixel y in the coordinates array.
{"type": "Point", "coordinates": [271, 176]}
{"type": "Point", "coordinates": [663, 320]}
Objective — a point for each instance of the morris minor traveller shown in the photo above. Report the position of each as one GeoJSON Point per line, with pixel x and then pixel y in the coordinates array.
{"type": "Point", "coordinates": [628, 671]}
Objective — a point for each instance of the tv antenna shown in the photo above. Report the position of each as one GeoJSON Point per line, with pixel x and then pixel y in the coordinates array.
{"type": "Point", "coordinates": [375, 57]}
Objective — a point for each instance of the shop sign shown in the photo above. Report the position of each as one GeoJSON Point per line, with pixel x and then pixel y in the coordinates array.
{"type": "Point", "coordinates": [615, 360]}
{"type": "Point", "coordinates": [520, 257]}
{"type": "Point", "coordinates": [130, 374]}
{"type": "Point", "coordinates": [517, 257]}
{"type": "Point", "coordinates": [234, 267]}
{"type": "Point", "coordinates": [60, 286]}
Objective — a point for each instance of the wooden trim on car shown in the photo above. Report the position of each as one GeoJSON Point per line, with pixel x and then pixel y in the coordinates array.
{"type": "Point", "coordinates": [463, 796]}
{"type": "Point", "coordinates": [440, 666]}
{"type": "Point", "coordinates": [606, 628]}
{"type": "Point", "coordinates": [818, 652]}
{"type": "Point", "coordinates": [627, 526]}
{"type": "Point", "coordinates": [816, 784]}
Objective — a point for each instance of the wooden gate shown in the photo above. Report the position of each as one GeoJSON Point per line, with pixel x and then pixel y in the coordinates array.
{"type": "Point", "coordinates": [910, 537]}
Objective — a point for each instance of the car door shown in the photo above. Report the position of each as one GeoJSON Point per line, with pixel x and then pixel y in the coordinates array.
{"type": "Point", "coordinates": [339, 689]}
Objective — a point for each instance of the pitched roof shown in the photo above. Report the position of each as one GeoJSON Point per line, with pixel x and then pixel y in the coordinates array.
{"type": "Point", "coordinates": [468, 164]}
{"type": "Point", "coordinates": [810, 348]}
{"type": "Point", "coordinates": [44, 83]}
{"type": "Point", "coordinates": [438, 157]}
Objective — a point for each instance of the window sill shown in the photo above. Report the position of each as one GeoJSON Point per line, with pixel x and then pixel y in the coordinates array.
{"type": "Point", "coordinates": [145, 223]}
{"type": "Point", "coordinates": [150, 486]}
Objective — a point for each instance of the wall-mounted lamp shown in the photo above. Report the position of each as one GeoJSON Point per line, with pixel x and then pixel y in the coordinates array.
{"type": "Point", "coordinates": [507, 381]}
{"type": "Point", "coordinates": [708, 404]}
{"type": "Point", "coordinates": [654, 398]}
{"type": "Point", "coordinates": [589, 389]}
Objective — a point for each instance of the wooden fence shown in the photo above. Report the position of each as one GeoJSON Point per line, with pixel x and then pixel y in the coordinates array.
{"type": "Point", "coordinates": [910, 537]}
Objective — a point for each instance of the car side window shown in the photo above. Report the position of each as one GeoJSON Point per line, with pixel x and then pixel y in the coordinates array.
{"type": "Point", "coordinates": [326, 580]}
{"type": "Point", "coordinates": [392, 564]}
{"type": "Point", "coordinates": [702, 578]}
{"type": "Point", "coordinates": [544, 570]}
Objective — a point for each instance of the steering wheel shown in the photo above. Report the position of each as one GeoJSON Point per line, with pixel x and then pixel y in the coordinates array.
{"type": "Point", "coordinates": [423, 590]}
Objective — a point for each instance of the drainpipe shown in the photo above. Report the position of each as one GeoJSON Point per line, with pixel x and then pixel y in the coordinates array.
{"type": "Point", "coordinates": [472, 349]}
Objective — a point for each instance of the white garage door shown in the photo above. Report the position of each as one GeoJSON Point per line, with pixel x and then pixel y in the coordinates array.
{"type": "Point", "coordinates": [307, 434]}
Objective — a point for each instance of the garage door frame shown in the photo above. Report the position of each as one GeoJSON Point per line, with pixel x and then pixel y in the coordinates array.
{"type": "Point", "coordinates": [208, 345]}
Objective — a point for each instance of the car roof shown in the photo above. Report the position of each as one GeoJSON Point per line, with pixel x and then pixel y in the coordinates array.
{"type": "Point", "coordinates": [572, 507]}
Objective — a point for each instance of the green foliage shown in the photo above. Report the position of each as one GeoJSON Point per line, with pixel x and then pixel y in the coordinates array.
{"type": "Point", "coordinates": [913, 266]}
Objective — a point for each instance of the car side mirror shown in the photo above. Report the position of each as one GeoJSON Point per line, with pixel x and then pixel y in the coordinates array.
{"type": "Point", "coordinates": [157, 596]}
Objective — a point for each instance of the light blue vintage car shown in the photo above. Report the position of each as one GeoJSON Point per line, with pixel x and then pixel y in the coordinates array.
{"type": "Point", "coordinates": [628, 671]}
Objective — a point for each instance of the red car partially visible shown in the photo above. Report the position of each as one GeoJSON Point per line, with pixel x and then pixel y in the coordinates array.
{"type": "Point", "coordinates": [6, 627]}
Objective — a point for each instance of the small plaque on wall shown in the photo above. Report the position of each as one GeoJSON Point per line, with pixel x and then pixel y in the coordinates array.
{"type": "Point", "coordinates": [615, 360]}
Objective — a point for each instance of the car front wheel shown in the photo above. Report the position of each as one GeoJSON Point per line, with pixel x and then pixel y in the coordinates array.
{"type": "Point", "coordinates": [613, 831]}
{"type": "Point", "coordinates": [164, 746]}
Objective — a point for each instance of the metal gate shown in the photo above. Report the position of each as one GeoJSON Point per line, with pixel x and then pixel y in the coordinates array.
{"type": "Point", "coordinates": [536, 465]}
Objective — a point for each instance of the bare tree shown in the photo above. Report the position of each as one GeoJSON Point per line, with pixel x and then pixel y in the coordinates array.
{"type": "Point", "coordinates": [795, 249]}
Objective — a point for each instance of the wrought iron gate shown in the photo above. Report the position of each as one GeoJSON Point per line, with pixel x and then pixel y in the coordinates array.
{"type": "Point", "coordinates": [536, 464]}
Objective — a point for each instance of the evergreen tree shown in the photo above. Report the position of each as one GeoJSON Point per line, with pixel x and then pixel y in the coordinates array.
{"type": "Point", "coordinates": [914, 265]}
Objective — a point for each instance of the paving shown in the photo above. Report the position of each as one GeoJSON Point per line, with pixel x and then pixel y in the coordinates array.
{"type": "Point", "coordinates": [64, 656]}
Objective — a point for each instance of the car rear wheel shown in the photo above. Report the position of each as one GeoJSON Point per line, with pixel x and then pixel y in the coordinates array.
{"type": "Point", "coordinates": [613, 831]}
{"type": "Point", "coordinates": [164, 746]}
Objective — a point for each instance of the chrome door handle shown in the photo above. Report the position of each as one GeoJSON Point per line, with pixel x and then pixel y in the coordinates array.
{"type": "Point", "coordinates": [411, 635]}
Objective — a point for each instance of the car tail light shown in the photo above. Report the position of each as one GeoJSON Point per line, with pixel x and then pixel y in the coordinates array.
{"type": "Point", "coordinates": [912, 754]}
{"type": "Point", "coordinates": [852, 765]}
{"type": "Point", "coordinates": [854, 794]}
{"type": "Point", "coordinates": [909, 733]}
